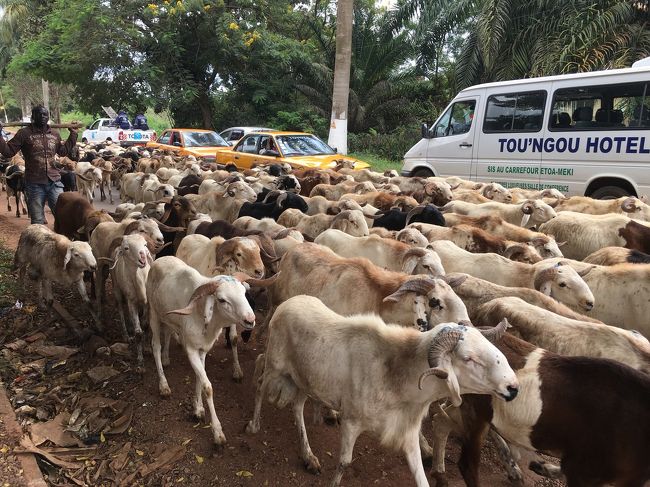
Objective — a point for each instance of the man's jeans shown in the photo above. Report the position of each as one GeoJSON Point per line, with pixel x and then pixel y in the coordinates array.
{"type": "Point", "coordinates": [37, 194]}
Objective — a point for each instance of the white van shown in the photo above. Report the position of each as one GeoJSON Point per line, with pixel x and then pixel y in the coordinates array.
{"type": "Point", "coordinates": [583, 134]}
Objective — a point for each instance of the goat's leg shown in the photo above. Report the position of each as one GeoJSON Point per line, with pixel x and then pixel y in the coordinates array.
{"type": "Point", "coordinates": [237, 374]}
{"type": "Point", "coordinates": [135, 319]}
{"type": "Point", "coordinates": [197, 360]}
{"type": "Point", "coordinates": [102, 194]}
{"type": "Point", "coordinates": [17, 195]}
{"type": "Point", "coordinates": [311, 462]}
{"type": "Point", "coordinates": [426, 450]}
{"type": "Point", "coordinates": [8, 202]}
{"type": "Point", "coordinates": [414, 458]}
{"type": "Point", "coordinates": [23, 202]}
{"type": "Point", "coordinates": [509, 456]}
{"type": "Point", "coordinates": [253, 425]}
{"type": "Point", "coordinates": [350, 431]}
{"type": "Point", "coordinates": [154, 323]}
{"type": "Point", "coordinates": [442, 426]}
{"type": "Point", "coordinates": [199, 409]}
{"type": "Point", "coordinates": [81, 287]}
{"type": "Point", "coordinates": [167, 336]}
{"type": "Point", "coordinates": [110, 192]}
{"type": "Point", "coordinates": [120, 308]}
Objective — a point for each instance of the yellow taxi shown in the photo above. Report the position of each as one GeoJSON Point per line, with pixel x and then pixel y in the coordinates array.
{"type": "Point", "coordinates": [299, 149]}
{"type": "Point", "coordinates": [190, 142]}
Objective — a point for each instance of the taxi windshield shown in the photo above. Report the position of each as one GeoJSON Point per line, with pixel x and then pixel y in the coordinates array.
{"type": "Point", "coordinates": [302, 145]}
{"type": "Point", "coordinates": [203, 139]}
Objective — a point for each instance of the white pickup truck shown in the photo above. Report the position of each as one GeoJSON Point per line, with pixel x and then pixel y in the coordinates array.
{"type": "Point", "coordinates": [104, 129]}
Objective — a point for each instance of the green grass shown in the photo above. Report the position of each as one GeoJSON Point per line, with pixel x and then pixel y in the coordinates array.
{"type": "Point", "coordinates": [377, 163]}
{"type": "Point", "coordinates": [8, 287]}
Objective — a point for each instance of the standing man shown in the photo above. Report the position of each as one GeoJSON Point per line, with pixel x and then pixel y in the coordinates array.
{"type": "Point", "coordinates": [40, 145]}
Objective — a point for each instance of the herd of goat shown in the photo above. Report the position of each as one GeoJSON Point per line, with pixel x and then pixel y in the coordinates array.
{"type": "Point", "coordinates": [378, 290]}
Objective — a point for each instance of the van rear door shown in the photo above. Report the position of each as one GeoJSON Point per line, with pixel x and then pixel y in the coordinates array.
{"type": "Point", "coordinates": [511, 129]}
{"type": "Point", "coordinates": [451, 149]}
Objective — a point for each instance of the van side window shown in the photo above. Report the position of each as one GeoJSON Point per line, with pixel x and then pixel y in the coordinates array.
{"type": "Point", "coordinates": [604, 107]}
{"type": "Point", "coordinates": [515, 112]}
{"type": "Point", "coordinates": [456, 120]}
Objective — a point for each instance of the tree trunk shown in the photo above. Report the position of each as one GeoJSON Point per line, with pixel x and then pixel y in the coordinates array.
{"type": "Point", "coordinates": [46, 94]}
{"type": "Point", "coordinates": [205, 104]}
{"type": "Point", "coordinates": [338, 136]}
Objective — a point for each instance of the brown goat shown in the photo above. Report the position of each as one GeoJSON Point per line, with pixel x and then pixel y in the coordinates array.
{"type": "Point", "coordinates": [76, 218]}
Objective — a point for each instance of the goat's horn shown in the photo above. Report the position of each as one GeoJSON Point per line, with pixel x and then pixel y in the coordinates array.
{"type": "Point", "coordinates": [414, 212]}
{"type": "Point", "coordinates": [628, 205]}
{"type": "Point", "coordinates": [495, 334]}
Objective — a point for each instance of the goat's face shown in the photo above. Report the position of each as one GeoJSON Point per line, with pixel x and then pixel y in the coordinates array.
{"type": "Point", "coordinates": [474, 365]}
{"type": "Point", "coordinates": [150, 228]}
{"type": "Point", "coordinates": [351, 222]}
{"type": "Point", "coordinates": [413, 237]}
{"type": "Point", "coordinates": [134, 249]}
{"type": "Point", "coordinates": [240, 254]}
{"type": "Point", "coordinates": [423, 261]}
{"type": "Point", "coordinates": [79, 256]}
{"type": "Point", "coordinates": [230, 302]}
{"type": "Point", "coordinates": [565, 284]}
{"type": "Point", "coordinates": [443, 305]}
{"type": "Point", "coordinates": [536, 212]}
{"type": "Point", "coordinates": [165, 191]}
{"type": "Point", "coordinates": [241, 190]}
{"type": "Point", "coordinates": [520, 252]}
{"type": "Point", "coordinates": [497, 192]}
{"type": "Point", "coordinates": [185, 209]}
{"type": "Point", "coordinates": [547, 247]}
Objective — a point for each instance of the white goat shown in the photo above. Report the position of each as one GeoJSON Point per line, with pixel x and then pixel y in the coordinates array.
{"type": "Point", "coordinates": [196, 309]}
{"type": "Point", "coordinates": [341, 362]}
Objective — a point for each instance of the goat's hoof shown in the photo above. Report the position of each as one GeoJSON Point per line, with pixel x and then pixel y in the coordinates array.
{"type": "Point", "coordinates": [165, 361]}
{"type": "Point", "coordinates": [332, 418]}
{"type": "Point", "coordinates": [312, 465]}
{"type": "Point", "coordinates": [440, 479]}
{"type": "Point", "coordinates": [252, 428]}
{"type": "Point", "coordinates": [219, 441]}
{"type": "Point", "coordinates": [17, 215]}
{"type": "Point", "coordinates": [199, 414]}
{"type": "Point", "coordinates": [238, 376]}
{"type": "Point", "coordinates": [140, 370]}
{"type": "Point", "coordinates": [165, 391]}
{"type": "Point", "coordinates": [24, 211]}
{"type": "Point", "coordinates": [427, 462]}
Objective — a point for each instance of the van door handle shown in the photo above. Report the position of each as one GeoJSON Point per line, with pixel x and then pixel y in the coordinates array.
{"type": "Point", "coordinates": [464, 144]}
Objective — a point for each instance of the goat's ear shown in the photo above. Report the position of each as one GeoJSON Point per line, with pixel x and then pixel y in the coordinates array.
{"type": "Point", "coordinates": [66, 259]}
{"type": "Point", "coordinates": [208, 309]}
{"type": "Point", "coordinates": [231, 193]}
{"type": "Point", "coordinates": [524, 220]}
{"type": "Point", "coordinates": [546, 287]}
{"type": "Point", "coordinates": [452, 385]}
{"type": "Point", "coordinates": [408, 266]}
{"type": "Point", "coordinates": [149, 257]}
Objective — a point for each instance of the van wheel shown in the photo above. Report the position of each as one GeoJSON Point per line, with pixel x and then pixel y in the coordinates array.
{"type": "Point", "coordinates": [609, 193]}
{"type": "Point", "coordinates": [108, 139]}
{"type": "Point", "coordinates": [423, 173]}
{"type": "Point", "coordinates": [84, 140]}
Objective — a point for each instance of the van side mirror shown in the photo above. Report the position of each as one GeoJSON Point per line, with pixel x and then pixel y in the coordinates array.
{"type": "Point", "coordinates": [424, 129]}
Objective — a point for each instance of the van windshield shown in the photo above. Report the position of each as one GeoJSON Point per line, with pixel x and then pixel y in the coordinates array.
{"type": "Point", "coordinates": [456, 120]}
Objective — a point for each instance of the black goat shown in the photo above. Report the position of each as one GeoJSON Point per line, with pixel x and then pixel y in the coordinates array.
{"type": "Point", "coordinates": [395, 219]}
{"type": "Point", "coordinates": [189, 185]}
{"type": "Point", "coordinates": [15, 176]}
{"type": "Point", "coordinates": [275, 203]}
{"type": "Point", "coordinates": [282, 183]}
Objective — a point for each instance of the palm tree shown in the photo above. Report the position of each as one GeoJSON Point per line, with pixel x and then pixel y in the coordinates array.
{"type": "Point", "coordinates": [379, 75]}
{"type": "Point", "coordinates": [338, 136]}
{"type": "Point", "coordinates": [509, 39]}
